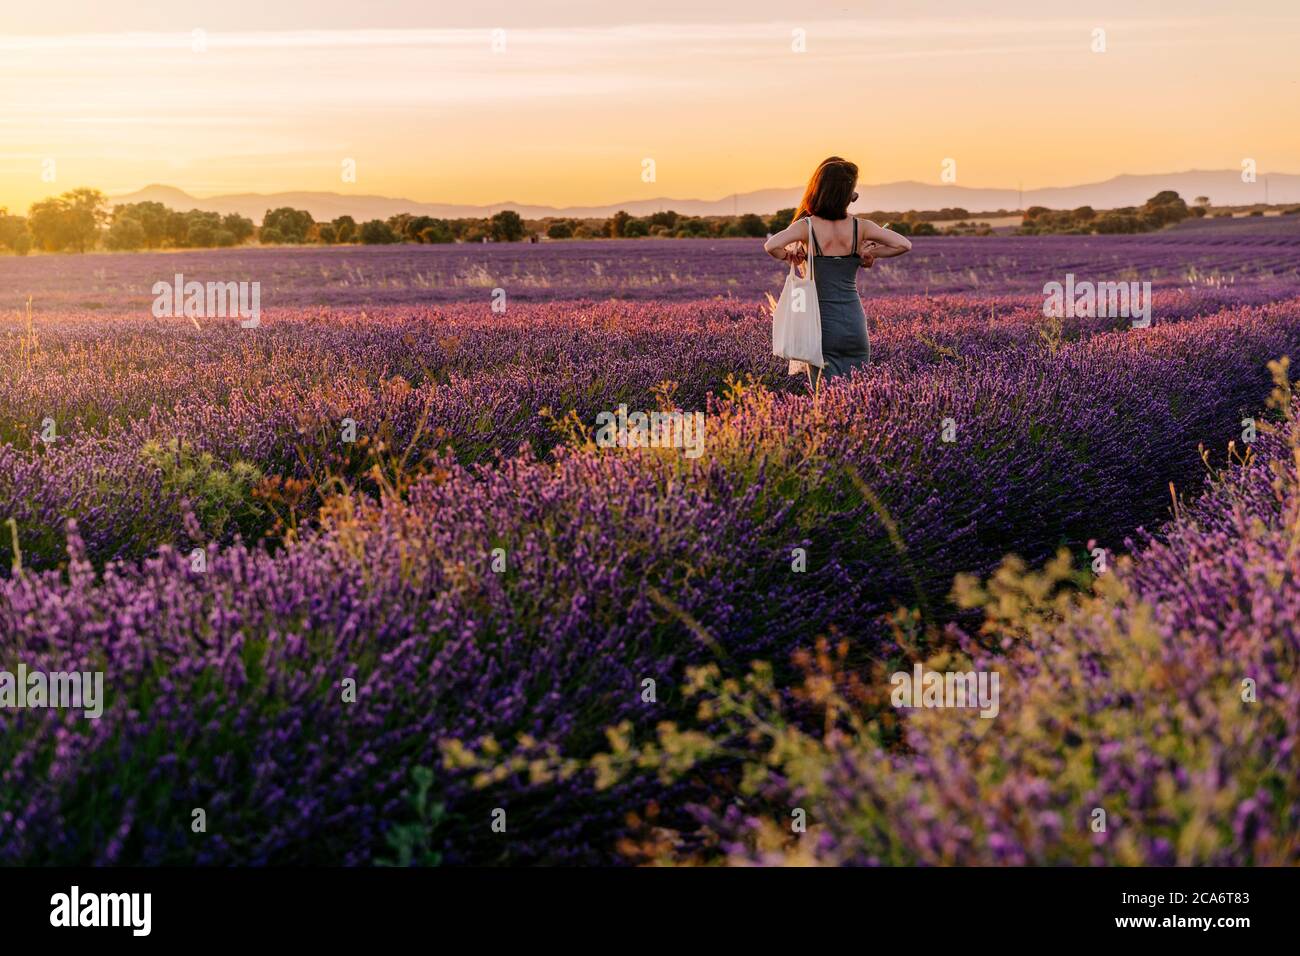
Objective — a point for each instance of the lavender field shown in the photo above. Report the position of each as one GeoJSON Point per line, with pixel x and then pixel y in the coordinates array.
{"type": "Point", "coordinates": [365, 586]}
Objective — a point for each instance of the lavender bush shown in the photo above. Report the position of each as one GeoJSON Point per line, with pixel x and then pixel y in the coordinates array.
{"type": "Point", "coordinates": [305, 636]}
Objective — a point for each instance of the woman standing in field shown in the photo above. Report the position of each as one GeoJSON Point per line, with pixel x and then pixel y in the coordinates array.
{"type": "Point", "coordinates": [841, 244]}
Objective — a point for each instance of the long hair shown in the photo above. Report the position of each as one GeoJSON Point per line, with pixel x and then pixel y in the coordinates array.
{"type": "Point", "coordinates": [830, 190]}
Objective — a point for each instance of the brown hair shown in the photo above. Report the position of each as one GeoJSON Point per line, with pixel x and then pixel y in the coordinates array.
{"type": "Point", "coordinates": [830, 190]}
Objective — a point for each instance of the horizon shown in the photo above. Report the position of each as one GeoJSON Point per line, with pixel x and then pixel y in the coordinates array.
{"type": "Point", "coordinates": [430, 105]}
{"type": "Point", "coordinates": [115, 196]}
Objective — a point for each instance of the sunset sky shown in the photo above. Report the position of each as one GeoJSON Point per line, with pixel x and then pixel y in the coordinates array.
{"type": "Point", "coordinates": [275, 96]}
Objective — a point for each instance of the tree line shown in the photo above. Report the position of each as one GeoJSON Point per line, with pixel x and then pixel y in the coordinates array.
{"type": "Point", "coordinates": [1163, 209]}
{"type": "Point", "coordinates": [82, 220]}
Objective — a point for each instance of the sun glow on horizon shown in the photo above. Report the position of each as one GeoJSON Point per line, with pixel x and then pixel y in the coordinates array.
{"type": "Point", "coordinates": [565, 115]}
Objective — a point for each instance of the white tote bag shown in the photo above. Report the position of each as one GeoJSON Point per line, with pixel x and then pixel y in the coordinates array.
{"type": "Point", "coordinates": [797, 319]}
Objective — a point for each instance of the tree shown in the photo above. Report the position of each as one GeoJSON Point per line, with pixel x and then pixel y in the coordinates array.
{"type": "Point", "coordinates": [691, 228]}
{"type": "Point", "coordinates": [291, 224]}
{"type": "Point", "coordinates": [1118, 222]}
{"type": "Point", "coordinates": [1163, 208]}
{"type": "Point", "coordinates": [669, 219]}
{"type": "Point", "coordinates": [752, 225]}
{"type": "Point", "coordinates": [69, 221]}
{"type": "Point", "coordinates": [87, 212]}
{"type": "Point", "coordinates": [151, 216]}
{"type": "Point", "coordinates": [125, 235]}
{"type": "Point", "coordinates": [781, 219]}
{"type": "Point", "coordinates": [438, 231]}
{"type": "Point", "coordinates": [559, 230]}
{"type": "Point", "coordinates": [327, 234]}
{"type": "Point", "coordinates": [240, 227]}
{"type": "Point", "coordinates": [506, 226]}
{"type": "Point", "coordinates": [11, 227]}
{"type": "Point", "coordinates": [400, 224]}
{"type": "Point", "coordinates": [377, 232]}
{"type": "Point", "coordinates": [47, 222]}
{"type": "Point", "coordinates": [201, 228]}
{"type": "Point", "coordinates": [617, 224]}
{"type": "Point", "coordinates": [201, 235]}
{"type": "Point", "coordinates": [176, 230]}
{"type": "Point", "coordinates": [415, 225]}
{"type": "Point", "coordinates": [345, 228]}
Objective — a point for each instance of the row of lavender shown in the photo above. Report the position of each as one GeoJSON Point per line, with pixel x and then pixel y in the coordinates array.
{"type": "Point", "coordinates": [229, 686]}
{"type": "Point", "coordinates": [1237, 252]}
{"type": "Point", "coordinates": [88, 371]}
{"type": "Point", "coordinates": [1147, 716]}
{"type": "Point", "coordinates": [103, 424]}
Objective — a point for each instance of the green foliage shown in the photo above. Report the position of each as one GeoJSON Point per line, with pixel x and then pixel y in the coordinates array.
{"type": "Point", "coordinates": [239, 227]}
{"type": "Point", "coordinates": [292, 225]}
{"type": "Point", "coordinates": [221, 496]}
{"type": "Point", "coordinates": [345, 229]}
{"type": "Point", "coordinates": [413, 842]}
{"type": "Point", "coordinates": [11, 228]}
{"type": "Point", "coordinates": [506, 226]}
{"type": "Point", "coordinates": [752, 225]}
{"type": "Point", "coordinates": [667, 219]}
{"type": "Point", "coordinates": [125, 235]}
{"type": "Point", "coordinates": [1162, 209]}
{"type": "Point", "coordinates": [781, 219]}
{"type": "Point", "coordinates": [377, 232]}
{"type": "Point", "coordinates": [617, 225]}
{"type": "Point", "coordinates": [150, 217]}
{"type": "Point", "coordinates": [70, 221]}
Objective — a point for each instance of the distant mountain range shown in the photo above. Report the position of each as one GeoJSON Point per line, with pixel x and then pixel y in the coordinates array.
{"type": "Point", "coordinates": [1223, 187]}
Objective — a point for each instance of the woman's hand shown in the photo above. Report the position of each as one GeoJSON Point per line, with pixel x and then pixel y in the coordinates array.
{"type": "Point", "coordinates": [867, 251]}
{"type": "Point", "coordinates": [795, 255]}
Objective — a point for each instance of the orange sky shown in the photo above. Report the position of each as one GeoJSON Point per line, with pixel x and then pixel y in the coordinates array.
{"type": "Point", "coordinates": [583, 93]}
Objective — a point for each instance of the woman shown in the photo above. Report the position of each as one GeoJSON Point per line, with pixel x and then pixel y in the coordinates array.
{"type": "Point", "coordinates": [841, 245]}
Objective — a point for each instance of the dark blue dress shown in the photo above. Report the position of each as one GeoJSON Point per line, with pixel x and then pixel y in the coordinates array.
{"type": "Point", "coordinates": [844, 324]}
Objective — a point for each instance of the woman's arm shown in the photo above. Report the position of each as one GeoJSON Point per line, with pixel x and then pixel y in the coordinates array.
{"type": "Point", "coordinates": [876, 251]}
{"type": "Point", "coordinates": [797, 231]}
{"type": "Point", "coordinates": [876, 242]}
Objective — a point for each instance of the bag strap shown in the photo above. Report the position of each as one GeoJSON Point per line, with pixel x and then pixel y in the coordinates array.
{"type": "Point", "coordinates": [812, 247]}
